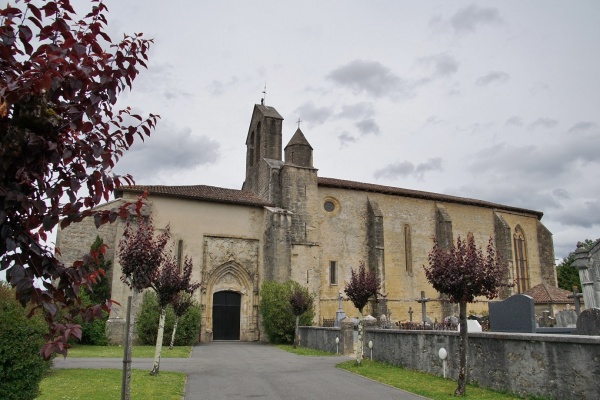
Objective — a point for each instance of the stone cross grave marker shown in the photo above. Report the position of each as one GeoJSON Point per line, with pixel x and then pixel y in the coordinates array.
{"type": "Point", "coordinates": [423, 300]}
{"type": "Point", "coordinates": [577, 297]}
{"type": "Point", "coordinates": [340, 314]}
{"type": "Point", "coordinates": [410, 313]}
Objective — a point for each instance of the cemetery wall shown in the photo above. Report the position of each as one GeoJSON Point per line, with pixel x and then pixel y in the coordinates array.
{"type": "Point", "coordinates": [556, 366]}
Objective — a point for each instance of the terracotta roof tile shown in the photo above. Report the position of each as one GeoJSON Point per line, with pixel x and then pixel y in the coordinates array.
{"type": "Point", "coordinates": [200, 192]}
{"type": "Point", "coordinates": [544, 293]}
{"type": "Point", "coordinates": [369, 187]}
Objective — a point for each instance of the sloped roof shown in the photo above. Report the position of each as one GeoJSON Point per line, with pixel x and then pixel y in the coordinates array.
{"type": "Point", "coordinates": [369, 187]}
{"type": "Point", "coordinates": [199, 192]}
{"type": "Point", "coordinates": [544, 293]}
{"type": "Point", "coordinates": [268, 111]}
{"type": "Point", "coordinates": [298, 139]}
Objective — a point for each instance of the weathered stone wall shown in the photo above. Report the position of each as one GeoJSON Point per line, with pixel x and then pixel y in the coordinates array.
{"type": "Point", "coordinates": [555, 366]}
{"type": "Point", "coordinates": [546, 252]}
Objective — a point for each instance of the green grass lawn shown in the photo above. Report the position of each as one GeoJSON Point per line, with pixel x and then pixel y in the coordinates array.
{"type": "Point", "coordinates": [430, 386]}
{"type": "Point", "coordinates": [80, 351]}
{"type": "Point", "coordinates": [102, 384]}
{"type": "Point", "coordinates": [303, 351]}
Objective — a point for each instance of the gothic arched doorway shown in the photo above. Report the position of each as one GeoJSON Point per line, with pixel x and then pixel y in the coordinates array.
{"type": "Point", "coordinates": [226, 315]}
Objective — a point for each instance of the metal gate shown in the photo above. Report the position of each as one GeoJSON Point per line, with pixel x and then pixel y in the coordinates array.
{"type": "Point", "coordinates": [226, 315]}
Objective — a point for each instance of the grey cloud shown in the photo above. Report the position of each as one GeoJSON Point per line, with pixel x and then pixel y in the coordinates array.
{"type": "Point", "coordinates": [586, 215]}
{"type": "Point", "coordinates": [368, 126]}
{"type": "Point", "coordinates": [370, 77]}
{"type": "Point", "coordinates": [561, 194]}
{"type": "Point", "coordinates": [315, 115]}
{"type": "Point", "coordinates": [167, 149]}
{"type": "Point", "coordinates": [345, 139]}
{"type": "Point", "coordinates": [583, 126]}
{"type": "Point", "coordinates": [492, 77]}
{"type": "Point", "coordinates": [358, 110]}
{"type": "Point", "coordinates": [468, 19]}
{"type": "Point", "coordinates": [217, 88]}
{"type": "Point", "coordinates": [443, 64]}
{"type": "Point", "coordinates": [406, 168]}
{"type": "Point", "coordinates": [514, 121]}
{"type": "Point", "coordinates": [547, 123]}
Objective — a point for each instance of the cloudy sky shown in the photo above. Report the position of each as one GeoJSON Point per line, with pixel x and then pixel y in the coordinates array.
{"type": "Point", "coordinates": [495, 100]}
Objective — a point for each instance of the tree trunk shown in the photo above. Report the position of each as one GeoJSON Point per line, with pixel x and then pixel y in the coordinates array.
{"type": "Point", "coordinates": [462, 351]}
{"type": "Point", "coordinates": [296, 332]}
{"type": "Point", "coordinates": [126, 384]}
{"type": "Point", "coordinates": [159, 340]}
{"type": "Point", "coordinates": [173, 334]}
{"type": "Point", "coordinates": [359, 347]}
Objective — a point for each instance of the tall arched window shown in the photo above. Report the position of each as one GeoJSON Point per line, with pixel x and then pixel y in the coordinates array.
{"type": "Point", "coordinates": [521, 269]}
{"type": "Point", "coordinates": [257, 149]}
{"type": "Point", "coordinates": [251, 149]}
{"type": "Point", "coordinates": [408, 249]}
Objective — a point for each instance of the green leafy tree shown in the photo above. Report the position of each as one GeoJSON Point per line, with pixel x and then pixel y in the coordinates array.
{"type": "Point", "coordinates": [464, 273]}
{"type": "Point", "coordinates": [566, 274]}
{"type": "Point", "coordinates": [147, 322]}
{"type": "Point", "coordinates": [21, 365]}
{"type": "Point", "coordinates": [276, 311]}
{"type": "Point", "coordinates": [181, 304]}
{"type": "Point", "coordinates": [363, 286]}
{"type": "Point", "coordinates": [60, 77]}
{"type": "Point", "coordinates": [300, 301]}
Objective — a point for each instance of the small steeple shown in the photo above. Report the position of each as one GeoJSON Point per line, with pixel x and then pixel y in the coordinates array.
{"type": "Point", "coordinates": [298, 151]}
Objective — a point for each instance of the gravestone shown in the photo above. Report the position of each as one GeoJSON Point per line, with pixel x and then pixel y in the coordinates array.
{"type": "Point", "coordinates": [588, 322]}
{"type": "Point", "coordinates": [340, 314]}
{"type": "Point", "coordinates": [515, 314]}
{"type": "Point", "coordinates": [472, 326]}
{"type": "Point", "coordinates": [566, 319]}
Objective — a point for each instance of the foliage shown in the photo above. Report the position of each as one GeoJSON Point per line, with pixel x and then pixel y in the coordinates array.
{"type": "Point", "coordinates": [363, 285]}
{"type": "Point", "coordinates": [92, 332]}
{"type": "Point", "coordinates": [300, 300]}
{"type": "Point", "coordinates": [60, 76]}
{"type": "Point", "coordinates": [76, 384]}
{"type": "Point", "coordinates": [277, 317]}
{"type": "Point", "coordinates": [141, 253]}
{"type": "Point", "coordinates": [21, 365]}
{"type": "Point", "coordinates": [566, 274]}
{"type": "Point", "coordinates": [464, 273]}
{"type": "Point", "coordinates": [147, 323]}
{"type": "Point", "coordinates": [99, 292]}
{"type": "Point", "coordinates": [170, 281]}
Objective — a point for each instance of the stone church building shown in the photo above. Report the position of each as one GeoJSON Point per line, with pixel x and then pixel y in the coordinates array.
{"type": "Point", "coordinates": [287, 222]}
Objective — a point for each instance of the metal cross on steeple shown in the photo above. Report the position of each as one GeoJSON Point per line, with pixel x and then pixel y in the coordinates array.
{"type": "Point", "coordinates": [299, 120]}
{"type": "Point", "coordinates": [262, 101]}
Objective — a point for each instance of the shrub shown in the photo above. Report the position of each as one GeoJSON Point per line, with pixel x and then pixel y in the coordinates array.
{"type": "Point", "coordinates": [21, 365]}
{"type": "Point", "coordinates": [188, 327]}
{"type": "Point", "coordinates": [277, 317]}
{"type": "Point", "coordinates": [92, 333]}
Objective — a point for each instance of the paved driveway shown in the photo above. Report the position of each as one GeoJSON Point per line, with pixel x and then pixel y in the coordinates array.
{"type": "Point", "coordinates": [241, 370]}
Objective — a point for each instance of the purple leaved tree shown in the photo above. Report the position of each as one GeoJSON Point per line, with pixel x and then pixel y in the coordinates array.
{"type": "Point", "coordinates": [464, 273]}
{"type": "Point", "coordinates": [300, 301]}
{"type": "Point", "coordinates": [363, 286]}
{"type": "Point", "coordinates": [141, 253]}
{"type": "Point", "coordinates": [60, 77]}
{"type": "Point", "coordinates": [169, 284]}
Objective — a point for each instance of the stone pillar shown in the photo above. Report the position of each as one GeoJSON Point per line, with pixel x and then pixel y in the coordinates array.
{"type": "Point", "coordinates": [546, 252]}
{"type": "Point", "coordinates": [375, 242]}
{"type": "Point", "coordinates": [503, 245]}
{"type": "Point", "coordinates": [444, 237]}
{"type": "Point", "coordinates": [586, 275]}
{"type": "Point", "coordinates": [347, 336]}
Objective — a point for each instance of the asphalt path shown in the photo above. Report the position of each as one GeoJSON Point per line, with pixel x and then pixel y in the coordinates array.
{"type": "Point", "coordinates": [242, 370]}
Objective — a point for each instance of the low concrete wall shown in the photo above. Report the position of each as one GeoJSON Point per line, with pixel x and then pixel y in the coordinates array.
{"type": "Point", "coordinates": [555, 366]}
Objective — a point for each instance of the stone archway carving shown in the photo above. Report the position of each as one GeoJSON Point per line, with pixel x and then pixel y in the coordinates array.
{"type": "Point", "coordinates": [231, 265]}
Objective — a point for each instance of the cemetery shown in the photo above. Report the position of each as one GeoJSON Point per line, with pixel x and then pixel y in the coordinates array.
{"type": "Point", "coordinates": [559, 360]}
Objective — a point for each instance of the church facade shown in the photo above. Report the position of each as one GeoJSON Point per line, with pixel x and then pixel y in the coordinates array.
{"type": "Point", "coordinates": [287, 222]}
